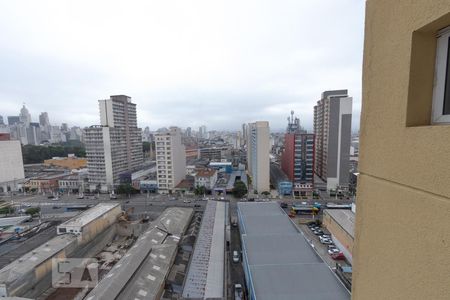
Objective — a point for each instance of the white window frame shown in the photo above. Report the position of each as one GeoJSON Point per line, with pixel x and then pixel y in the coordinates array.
{"type": "Point", "coordinates": [440, 75]}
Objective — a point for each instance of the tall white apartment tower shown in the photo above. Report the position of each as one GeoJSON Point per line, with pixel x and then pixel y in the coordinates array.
{"type": "Point", "coordinates": [258, 150]}
{"type": "Point", "coordinates": [332, 129]}
{"type": "Point", "coordinates": [113, 148]}
{"type": "Point", "coordinates": [170, 159]}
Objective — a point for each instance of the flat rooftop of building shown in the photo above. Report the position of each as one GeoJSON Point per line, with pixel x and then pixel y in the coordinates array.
{"type": "Point", "coordinates": [345, 218]}
{"type": "Point", "coordinates": [28, 262]}
{"type": "Point", "coordinates": [91, 214]}
{"type": "Point", "coordinates": [220, 163]}
{"type": "Point", "coordinates": [296, 271]}
{"type": "Point", "coordinates": [50, 176]}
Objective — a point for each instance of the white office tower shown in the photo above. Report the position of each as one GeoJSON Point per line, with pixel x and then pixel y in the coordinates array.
{"type": "Point", "coordinates": [258, 150]}
{"type": "Point", "coordinates": [113, 148]}
{"type": "Point", "coordinates": [170, 159]}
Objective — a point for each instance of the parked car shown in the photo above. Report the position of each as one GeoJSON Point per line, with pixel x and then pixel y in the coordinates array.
{"type": "Point", "coordinates": [338, 256]}
{"type": "Point", "coordinates": [326, 241]}
{"type": "Point", "coordinates": [51, 197]}
{"type": "Point", "coordinates": [318, 232]}
{"type": "Point", "coordinates": [56, 207]}
{"type": "Point", "coordinates": [186, 201]}
{"type": "Point", "coordinates": [283, 205]}
{"type": "Point", "coordinates": [332, 251]}
{"type": "Point", "coordinates": [238, 292]}
{"type": "Point", "coordinates": [197, 205]}
{"type": "Point", "coordinates": [236, 256]}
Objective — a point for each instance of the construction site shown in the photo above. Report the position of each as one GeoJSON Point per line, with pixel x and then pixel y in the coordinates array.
{"type": "Point", "coordinates": [136, 258]}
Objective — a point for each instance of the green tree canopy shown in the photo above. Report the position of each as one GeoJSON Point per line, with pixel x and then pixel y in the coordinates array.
{"type": "Point", "coordinates": [239, 189]}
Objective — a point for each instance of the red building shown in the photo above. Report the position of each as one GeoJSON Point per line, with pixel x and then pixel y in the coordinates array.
{"type": "Point", "coordinates": [5, 136]}
{"type": "Point", "coordinates": [297, 161]}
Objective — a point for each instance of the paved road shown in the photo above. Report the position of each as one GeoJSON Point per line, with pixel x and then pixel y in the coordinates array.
{"type": "Point", "coordinates": [235, 269]}
{"type": "Point", "coordinates": [141, 203]}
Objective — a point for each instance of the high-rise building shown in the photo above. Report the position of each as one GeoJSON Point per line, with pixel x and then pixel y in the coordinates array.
{"type": "Point", "coordinates": [402, 238]}
{"type": "Point", "coordinates": [44, 122]}
{"type": "Point", "coordinates": [244, 133]}
{"type": "Point", "coordinates": [170, 159]}
{"type": "Point", "coordinates": [114, 148]}
{"type": "Point", "coordinates": [33, 134]}
{"type": "Point", "coordinates": [297, 159]}
{"type": "Point", "coordinates": [13, 120]}
{"type": "Point", "coordinates": [43, 119]}
{"type": "Point", "coordinates": [202, 132]}
{"type": "Point", "coordinates": [25, 116]}
{"type": "Point", "coordinates": [332, 129]}
{"type": "Point", "coordinates": [188, 132]}
{"type": "Point", "coordinates": [258, 151]}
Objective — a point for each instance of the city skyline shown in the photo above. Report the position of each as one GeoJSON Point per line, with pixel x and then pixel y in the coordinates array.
{"type": "Point", "coordinates": [239, 68]}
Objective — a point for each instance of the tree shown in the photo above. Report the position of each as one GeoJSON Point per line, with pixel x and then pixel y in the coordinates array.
{"type": "Point", "coordinates": [33, 211]}
{"type": "Point", "coordinates": [146, 146]}
{"type": "Point", "coordinates": [126, 189]}
{"type": "Point", "coordinates": [37, 154]}
{"type": "Point", "coordinates": [239, 189]}
{"type": "Point", "coordinates": [5, 210]}
{"type": "Point", "coordinates": [199, 190]}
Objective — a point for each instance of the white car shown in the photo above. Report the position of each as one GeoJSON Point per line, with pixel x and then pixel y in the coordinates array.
{"type": "Point", "coordinates": [325, 240]}
{"type": "Point", "coordinates": [186, 201]}
{"type": "Point", "coordinates": [236, 257]}
{"type": "Point", "coordinates": [333, 251]}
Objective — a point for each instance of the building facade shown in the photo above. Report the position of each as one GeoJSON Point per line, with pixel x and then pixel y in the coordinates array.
{"type": "Point", "coordinates": [170, 159]}
{"type": "Point", "coordinates": [115, 147]}
{"type": "Point", "coordinates": [332, 129]}
{"type": "Point", "coordinates": [402, 239]}
{"type": "Point", "coordinates": [11, 166]}
{"type": "Point", "coordinates": [258, 151]}
{"type": "Point", "coordinates": [206, 178]}
{"type": "Point", "coordinates": [297, 161]}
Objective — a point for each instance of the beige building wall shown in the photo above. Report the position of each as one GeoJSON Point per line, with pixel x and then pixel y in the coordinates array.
{"type": "Point", "coordinates": [402, 241]}
{"type": "Point", "coordinates": [338, 232]}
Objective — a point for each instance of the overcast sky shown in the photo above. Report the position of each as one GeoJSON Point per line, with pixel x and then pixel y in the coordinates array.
{"type": "Point", "coordinates": [185, 63]}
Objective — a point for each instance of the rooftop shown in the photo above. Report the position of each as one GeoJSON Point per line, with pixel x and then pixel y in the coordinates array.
{"type": "Point", "coordinates": [205, 172]}
{"type": "Point", "coordinates": [345, 218]}
{"type": "Point", "coordinates": [142, 271]}
{"type": "Point", "coordinates": [204, 278]}
{"type": "Point", "coordinates": [28, 262]}
{"type": "Point", "coordinates": [91, 214]}
{"type": "Point", "coordinates": [290, 274]}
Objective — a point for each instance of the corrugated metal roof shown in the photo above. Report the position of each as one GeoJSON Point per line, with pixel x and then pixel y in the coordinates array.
{"type": "Point", "coordinates": [154, 250]}
{"type": "Point", "coordinates": [89, 215]}
{"type": "Point", "coordinates": [205, 275]}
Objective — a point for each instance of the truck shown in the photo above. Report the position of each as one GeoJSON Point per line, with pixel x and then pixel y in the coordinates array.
{"type": "Point", "coordinates": [238, 292]}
